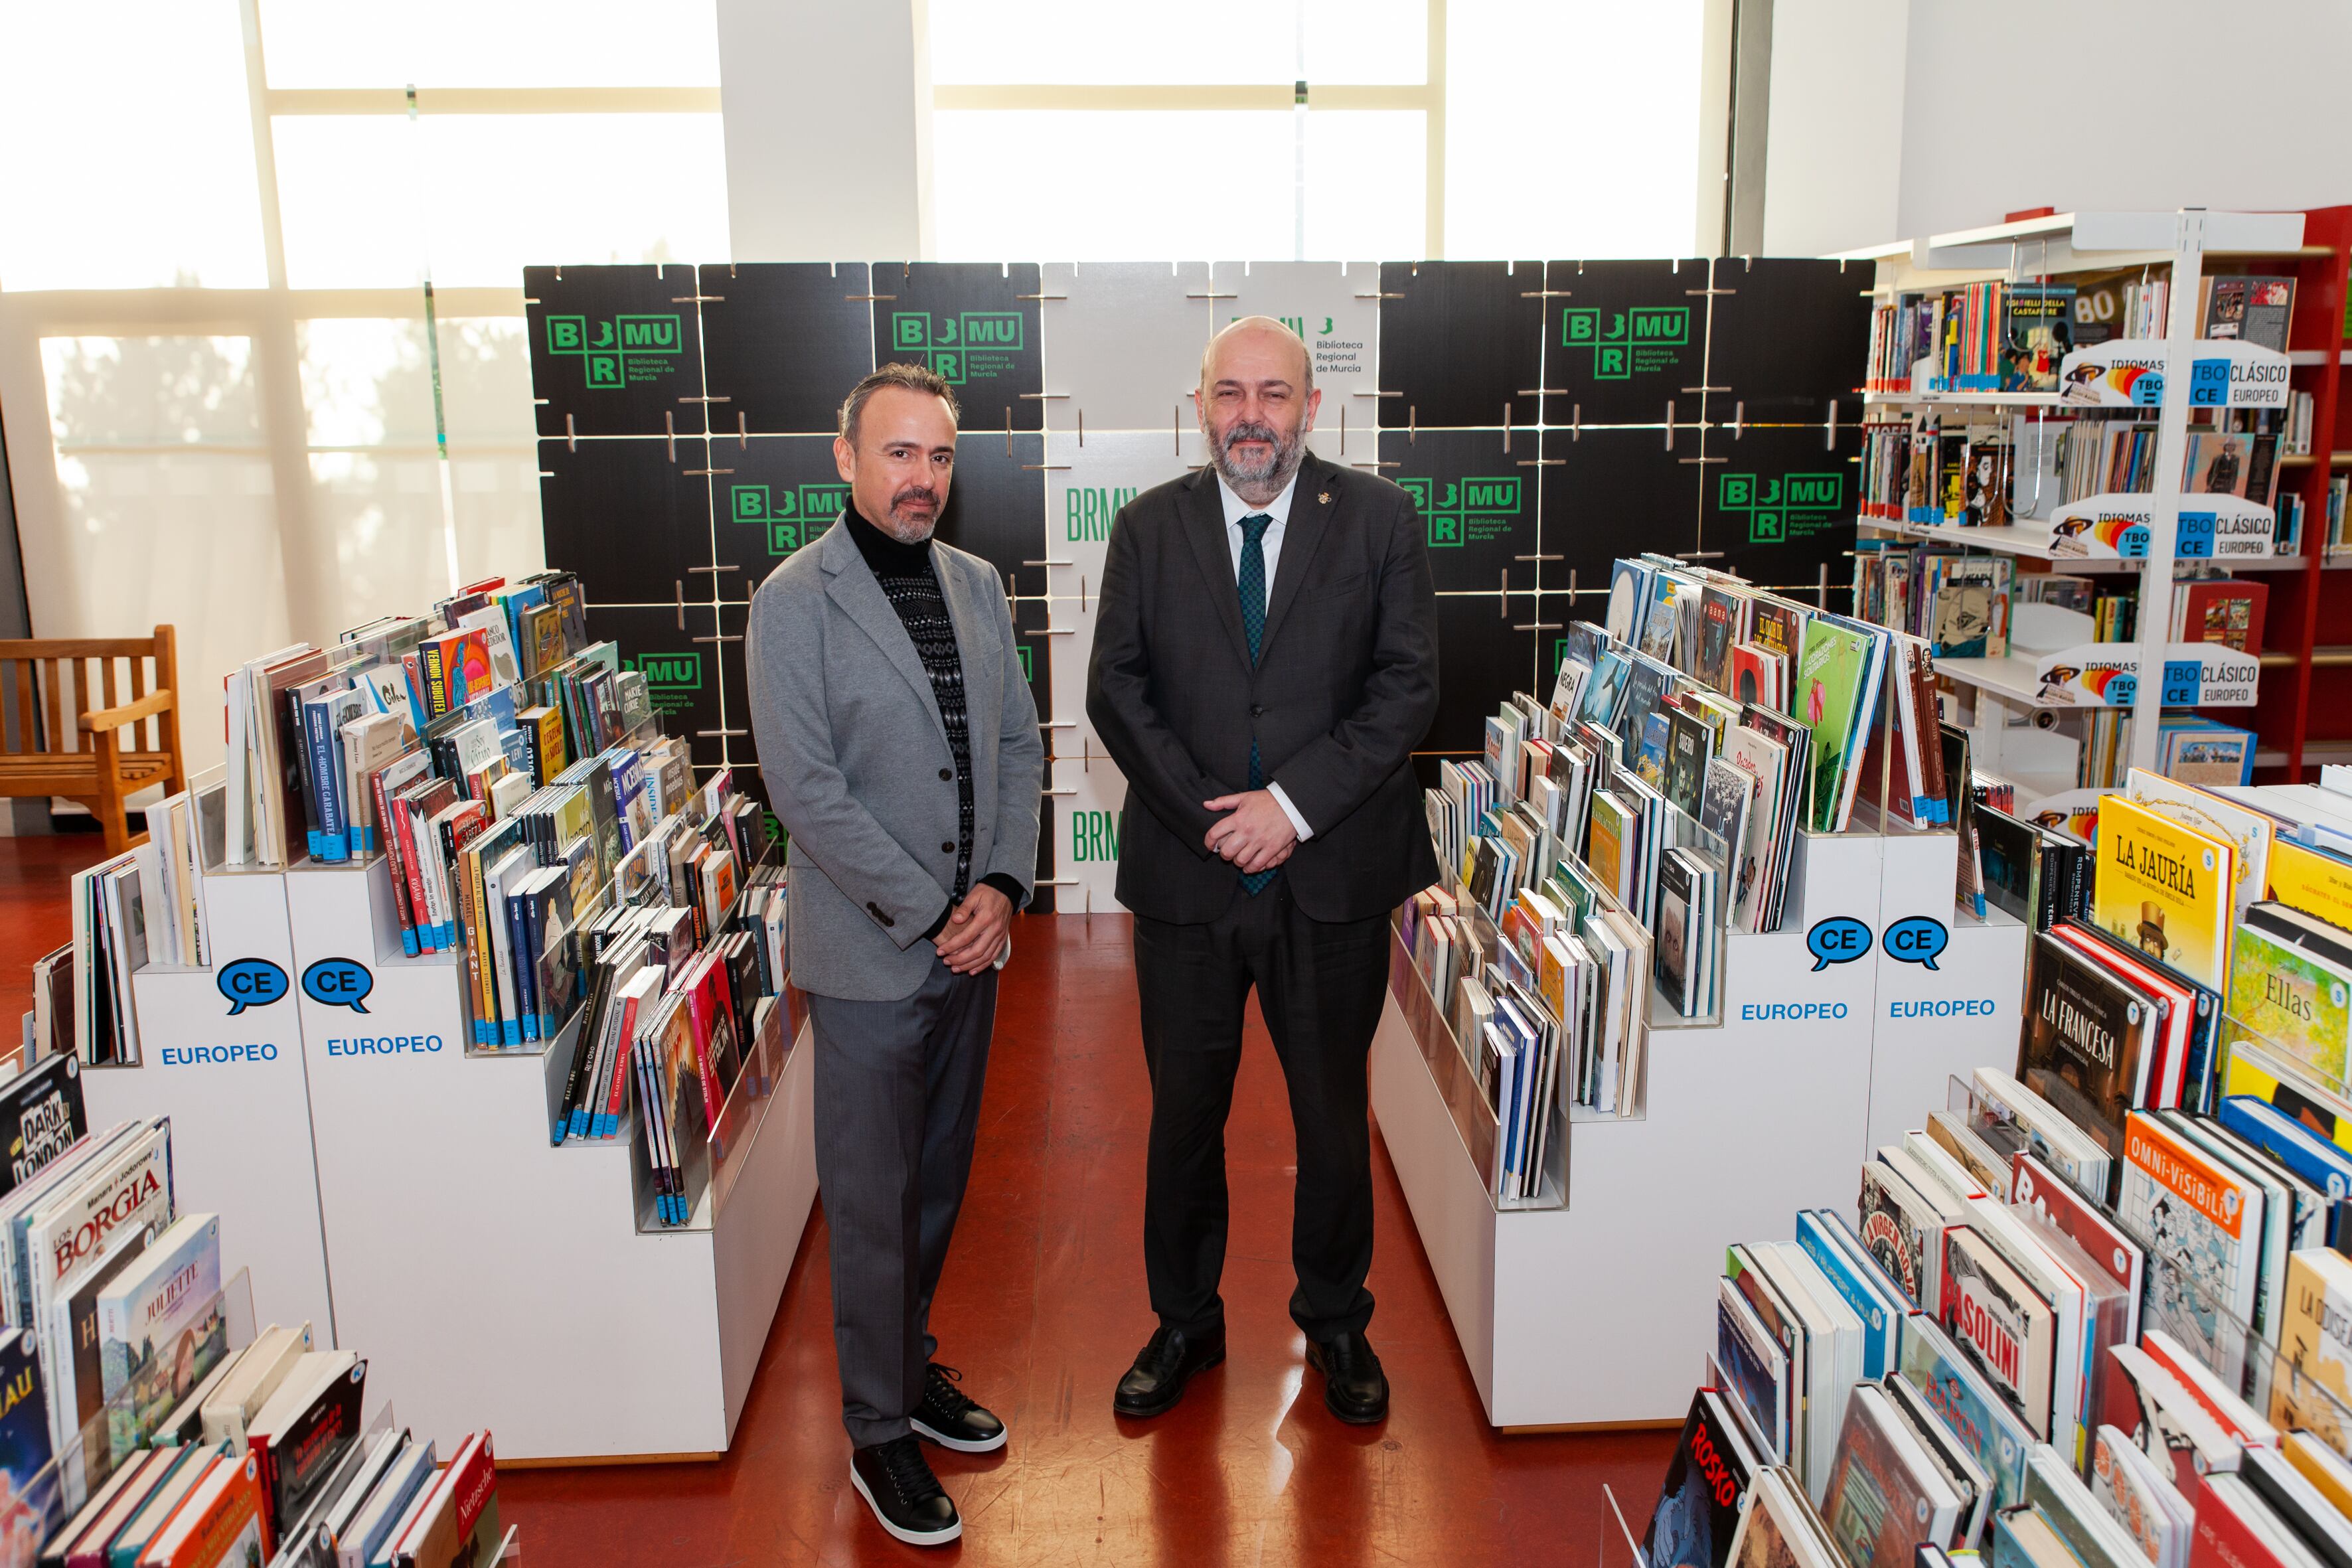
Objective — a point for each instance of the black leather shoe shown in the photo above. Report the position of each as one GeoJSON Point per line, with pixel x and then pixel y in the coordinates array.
{"type": "Point", "coordinates": [1156, 1382]}
{"type": "Point", "coordinates": [1355, 1389]}
{"type": "Point", "coordinates": [949, 1417]}
{"type": "Point", "coordinates": [897, 1483]}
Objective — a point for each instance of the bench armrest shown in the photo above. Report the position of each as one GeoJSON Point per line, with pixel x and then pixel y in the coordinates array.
{"type": "Point", "coordinates": [147, 707]}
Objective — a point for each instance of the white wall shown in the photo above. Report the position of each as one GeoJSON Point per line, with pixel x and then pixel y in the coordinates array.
{"type": "Point", "coordinates": [827, 107]}
{"type": "Point", "coordinates": [1897, 118]}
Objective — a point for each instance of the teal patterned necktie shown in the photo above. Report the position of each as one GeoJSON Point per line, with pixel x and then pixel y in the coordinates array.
{"type": "Point", "coordinates": [1250, 580]}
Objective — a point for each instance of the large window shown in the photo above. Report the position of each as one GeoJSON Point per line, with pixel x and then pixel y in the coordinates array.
{"type": "Point", "coordinates": [216, 361]}
{"type": "Point", "coordinates": [1426, 127]}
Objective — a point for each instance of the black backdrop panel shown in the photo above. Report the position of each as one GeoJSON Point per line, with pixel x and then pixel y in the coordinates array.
{"type": "Point", "coordinates": [1621, 338]}
{"type": "Point", "coordinates": [682, 665]}
{"type": "Point", "coordinates": [970, 321]}
{"type": "Point", "coordinates": [617, 350]}
{"type": "Point", "coordinates": [1608, 493]}
{"type": "Point", "coordinates": [783, 493]}
{"type": "Point", "coordinates": [783, 342]}
{"type": "Point", "coordinates": [1478, 504]}
{"type": "Point", "coordinates": [1791, 334]}
{"type": "Point", "coordinates": [996, 505]}
{"type": "Point", "coordinates": [1481, 660]}
{"type": "Point", "coordinates": [1780, 505]}
{"type": "Point", "coordinates": [1458, 340]}
{"type": "Point", "coordinates": [631, 517]}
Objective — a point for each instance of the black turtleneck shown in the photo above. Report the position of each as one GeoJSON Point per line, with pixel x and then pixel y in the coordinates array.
{"type": "Point", "coordinates": [911, 584]}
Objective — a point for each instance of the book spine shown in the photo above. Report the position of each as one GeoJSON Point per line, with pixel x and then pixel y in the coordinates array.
{"type": "Point", "coordinates": [569, 1122]}
{"type": "Point", "coordinates": [526, 980]}
{"type": "Point", "coordinates": [420, 907]}
{"type": "Point", "coordinates": [469, 911]}
{"type": "Point", "coordinates": [317, 757]}
{"type": "Point", "coordinates": [433, 661]}
{"type": "Point", "coordinates": [393, 858]}
{"type": "Point", "coordinates": [485, 950]}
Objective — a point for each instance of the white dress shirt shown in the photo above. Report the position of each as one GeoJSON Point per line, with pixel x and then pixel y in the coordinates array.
{"type": "Point", "coordinates": [1277, 508]}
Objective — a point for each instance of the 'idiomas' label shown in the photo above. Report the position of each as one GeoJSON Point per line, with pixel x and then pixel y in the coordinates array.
{"type": "Point", "coordinates": [385, 1045]}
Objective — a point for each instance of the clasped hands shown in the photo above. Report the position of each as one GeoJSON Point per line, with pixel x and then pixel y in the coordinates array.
{"type": "Point", "coordinates": [976, 932]}
{"type": "Point", "coordinates": [1255, 833]}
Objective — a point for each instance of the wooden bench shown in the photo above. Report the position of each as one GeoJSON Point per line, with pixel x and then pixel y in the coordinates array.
{"type": "Point", "coordinates": [58, 744]}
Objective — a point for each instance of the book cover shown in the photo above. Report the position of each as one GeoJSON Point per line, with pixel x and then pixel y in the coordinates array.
{"type": "Point", "coordinates": [1988, 1429]}
{"type": "Point", "coordinates": [1831, 681]}
{"type": "Point", "coordinates": [41, 1115]}
{"type": "Point", "coordinates": [1690, 746]}
{"type": "Point", "coordinates": [2315, 1329]}
{"type": "Point", "coordinates": [161, 1330]}
{"type": "Point", "coordinates": [1698, 1505]}
{"type": "Point", "coordinates": [25, 1446]}
{"type": "Point", "coordinates": [1718, 628]}
{"type": "Point", "coordinates": [1662, 623]}
{"type": "Point", "coordinates": [2037, 1189]}
{"type": "Point", "coordinates": [2204, 1221]}
{"type": "Point", "coordinates": [2165, 889]}
{"type": "Point", "coordinates": [1896, 1230]}
{"type": "Point", "coordinates": [1672, 961]}
{"type": "Point", "coordinates": [299, 1459]}
{"type": "Point", "coordinates": [1629, 598]}
{"type": "Point", "coordinates": [1878, 1509]}
{"type": "Point", "coordinates": [2292, 996]}
{"type": "Point", "coordinates": [2001, 1322]}
{"type": "Point", "coordinates": [2085, 1041]}
{"type": "Point", "coordinates": [1871, 1293]}
{"type": "Point", "coordinates": [1755, 1368]}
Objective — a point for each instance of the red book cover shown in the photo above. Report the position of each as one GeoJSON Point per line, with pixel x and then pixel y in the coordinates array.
{"type": "Point", "coordinates": [2225, 610]}
{"type": "Point", "coordinates": [394, 857]}
{"type": "Point", "coordinates": [2222, 1538]}
{"type": "Point", "coordinates": [701, 1009]}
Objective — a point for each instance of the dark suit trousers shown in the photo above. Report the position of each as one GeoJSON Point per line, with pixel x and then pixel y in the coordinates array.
{"type": "Point", "coordinates": [897, 1102]}
{"type": "Point", "coordinates": [1320, 987]}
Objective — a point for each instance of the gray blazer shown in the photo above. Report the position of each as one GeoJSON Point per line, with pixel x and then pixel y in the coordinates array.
{"type": "Point", "coordinates": [858, 769]}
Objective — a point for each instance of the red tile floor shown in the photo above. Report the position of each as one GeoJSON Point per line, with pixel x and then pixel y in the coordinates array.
{"type": "Point", "coordinates": [1043, 1306]}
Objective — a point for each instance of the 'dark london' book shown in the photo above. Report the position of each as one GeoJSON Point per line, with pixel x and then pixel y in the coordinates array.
{"type": "Point", "coordinates": [2164, 889]}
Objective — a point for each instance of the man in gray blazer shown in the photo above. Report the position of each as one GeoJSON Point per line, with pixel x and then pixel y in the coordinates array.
{"type": "Point", "coordinates": [900, 750]}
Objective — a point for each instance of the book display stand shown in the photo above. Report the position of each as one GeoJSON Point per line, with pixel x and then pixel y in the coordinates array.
{"type": "Point", "coordinates": [400, 1190]}
{"type": "Point", "coordinates": [233, 1081]}
{"type": "Point", "coordinates": [1830, 1034]}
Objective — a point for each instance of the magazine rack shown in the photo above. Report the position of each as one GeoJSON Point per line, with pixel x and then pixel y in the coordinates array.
{"type": "Point", "coordinates": [223, 1060]}
{"type": "Point", "coordinates": [493, 1277]}
{"type": "Point", "coordinates": [1750, 1119]}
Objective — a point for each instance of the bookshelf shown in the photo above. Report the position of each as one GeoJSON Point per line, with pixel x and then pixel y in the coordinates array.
{"type": "Point", "coordinates": [1762, 1109]}
{"type": "Point", "coordinates": [2294, 715]}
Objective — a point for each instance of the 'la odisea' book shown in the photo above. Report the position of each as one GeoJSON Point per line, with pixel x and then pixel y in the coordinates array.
{"type": "Point", "coordinates": [2164, 889]}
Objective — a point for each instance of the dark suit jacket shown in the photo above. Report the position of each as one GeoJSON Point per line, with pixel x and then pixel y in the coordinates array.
{"type": "Point", "coordinates": [1345, 687]}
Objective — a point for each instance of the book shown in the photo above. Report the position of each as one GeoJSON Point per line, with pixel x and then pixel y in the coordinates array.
{"type": "Point", "coordinates": [2253, 310]}
{"type": "Point", "coordinates": [2005, 1327]}
{"type": "Point", "coordinates": [25, 1448]}
{"type": "Point", "coordinates": [1901, 1232]}
{"type": "Point", "coordinates": [1698, 1505]}
{"type": "Point", "coordinates": [1885, 1495]}
{"type": "Point", "coordinates": [2085, 1045]}
{"type": "Point", "coordinates": [2203, 1221]}
{"type": "Point", "coordinates": [161, 1329]}
{"type": "Point", "coordinates": [301, 1434]}
{"type": "Point", "coordinates": [1994, 1435]}
{"type": "Point", "coordinates": [458, 1525]}
{"type": "Point", "coordinates": [1837, 689]}
{"type": "Point", "coordinates": [220, 1522]}
{"type": "Point", "coordinates": [2166, 888]}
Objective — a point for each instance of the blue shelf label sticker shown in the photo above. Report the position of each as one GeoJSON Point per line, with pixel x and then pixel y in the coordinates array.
{"type": "Point", "coordinates": [1918, 940]}
{"type": "Point", "coordinates": [2209, 383]}
{"type": "Point", "coordinates": [2131, 544]}
{"type": "Point", "coordinates": [2193, 541]}
{"type": "Point", "coordinates": [2182, 680]}
{"type": "Point", "coordinates": [337, 982]}
{"type": "Point", "coordinates": [2123, 690]}
{"type": "Point", "coordinates": [2147, 389]}
{"type": "Point", "coordinates": [250, 983]}
{"type": "Point", "coordinates": [1839, 938]}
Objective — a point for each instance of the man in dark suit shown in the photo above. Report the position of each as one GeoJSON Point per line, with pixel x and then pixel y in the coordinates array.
{"type": "Point", "coordinates": [1264, 662]}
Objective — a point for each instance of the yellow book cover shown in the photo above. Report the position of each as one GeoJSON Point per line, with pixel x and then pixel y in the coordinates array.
{"type": "Point", "coordinates": [2244, 1072]}
{"type": "Point", "coordinates": [552, 757]}
{"type": "Point", "coordinates": [2316, 1330]}
{"type": "Point", "coordinates": [2164, 889]}
{"type": "Point", "coordinates": [1551, 978]}
{"type": "Point", "coordinates": [2310, 881]}
{"type": "Point", "coordinates": [2321, 1466]}
{"type": "Point", "coordinates": [1607, 855]}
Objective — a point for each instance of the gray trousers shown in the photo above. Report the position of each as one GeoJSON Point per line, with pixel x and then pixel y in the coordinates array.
{"type": "Point", "coordinates": [897, 1102]}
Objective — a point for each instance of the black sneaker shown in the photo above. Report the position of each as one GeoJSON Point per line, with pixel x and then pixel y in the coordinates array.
{"type": "Point", "coordinates": [949, 1417]}
{"type": "Point", "coordinates": [897, 1483]}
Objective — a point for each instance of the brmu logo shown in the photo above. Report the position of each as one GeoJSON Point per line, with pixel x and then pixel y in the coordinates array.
{"type": "Point", "coordinates": [610, 350]}
{"type": "Point", "coordinates": [1093, 836]}
{"type": "Point", "coordinates": [945, 341]}
{"type": "Point", "coordinates": [1613, 335]}
{"type": "Point", "coordinates": [1459, 511]}
{"type": "Point", "coordinates": [1769, 503]}
{"type": "Point", "coordinates": [791, 515]}
{"type": "Point", "coordinates": [670, 671]}
{"type": "Point", "coordinates": [1087, 510]}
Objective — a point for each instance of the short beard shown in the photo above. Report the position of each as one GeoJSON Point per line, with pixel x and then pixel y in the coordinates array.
{"type": "Point", "coordinates": [911, 530]}
{"type": "Point", "coordinates": [1267, 477]}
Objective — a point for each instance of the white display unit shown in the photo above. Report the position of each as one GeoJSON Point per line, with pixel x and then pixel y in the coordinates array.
{"type": "Point", "coordinates": [495, 1279]}
{"type": "Point", "coordinates": [1597, 1314]}
{"type": "Point", "coordinates": [2066, 242]}
{"type": "Point", "coordinates": [236, 1084]}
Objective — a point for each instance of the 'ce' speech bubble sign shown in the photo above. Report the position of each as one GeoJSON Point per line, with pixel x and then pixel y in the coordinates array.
{"type": "Point", "coordinates": [1917, 939]}
{"type": "Point", "coordinates": [1841, 939]}
{"type": "Point", "coordinates": [250, 983]}
{"type": "Point", "coordinates": [337, 982]}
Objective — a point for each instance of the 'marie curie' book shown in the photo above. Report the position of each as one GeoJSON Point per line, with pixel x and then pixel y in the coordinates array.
{"type": "Point", "coordinates": [2164, 889]}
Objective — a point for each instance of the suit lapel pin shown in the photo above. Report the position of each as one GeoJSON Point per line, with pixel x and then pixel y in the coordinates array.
{"type": "Point", "coordinates": [1324, 498]}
